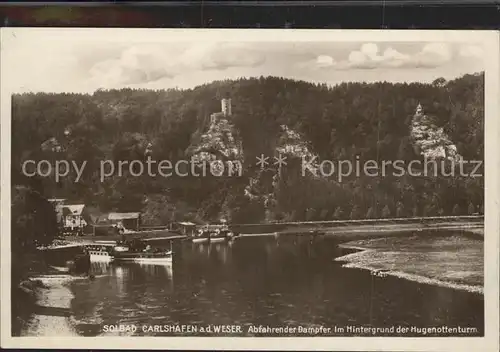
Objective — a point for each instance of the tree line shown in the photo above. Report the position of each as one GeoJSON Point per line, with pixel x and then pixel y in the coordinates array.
{"type": "Point", "coordinates": [369, 121]}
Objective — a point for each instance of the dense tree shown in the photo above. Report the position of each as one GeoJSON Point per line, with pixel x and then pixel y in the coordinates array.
{"type": "Point", "coordinates": [349, 121]}
{"type": "Point", "coordinates": [355, 212]}
{"type": "Point", "coordinates": [33, 224]}
{"type": "Point", "coordinates": [471, 209]}
{"type": "Point", "coordinates": [400, 210]}
{"type": "Point", "coordinates": [386, 212]}
{"type": "Point", "coordinates": [370, 214]}
{"type": "Point", "coordinates": [338, 214]}
{"type": "Point", "coordinates": [33, 220]}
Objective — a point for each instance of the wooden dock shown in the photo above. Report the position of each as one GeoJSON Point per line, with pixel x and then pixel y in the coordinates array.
{"type": "Point", "coordinates": [106, 241]}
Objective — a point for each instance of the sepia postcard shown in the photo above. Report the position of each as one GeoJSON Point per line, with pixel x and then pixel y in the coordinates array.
{"type": "Point", "coordinates": [250, 189]}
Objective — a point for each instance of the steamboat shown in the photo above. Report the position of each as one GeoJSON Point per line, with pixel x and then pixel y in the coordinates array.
{"type": "Point", "coordinates": [135, 251]}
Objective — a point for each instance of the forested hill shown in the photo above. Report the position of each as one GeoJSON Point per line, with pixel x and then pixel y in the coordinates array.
{"type": "Point", "coordinates": [269, 115]}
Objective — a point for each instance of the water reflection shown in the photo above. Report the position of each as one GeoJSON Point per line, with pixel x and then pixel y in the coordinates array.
{"type": "Point", "coordinates": [159, 270]}
{"type": "Point", "coordinates": [222, 251]}
{"type": "Point", "coordinates": [120, 271]}
{"type": "Point", "coordinates": [130, 292]}
{"type": "Point", "coordinates": [203, 248]}
{"type": "Point", "coordinates": [119, 274]}
{"type": "Point", "coordinates": [99, 268]}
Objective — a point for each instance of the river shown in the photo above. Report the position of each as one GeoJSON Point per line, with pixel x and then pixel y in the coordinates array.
{"type": "Point", "coordinates": [261, 281]}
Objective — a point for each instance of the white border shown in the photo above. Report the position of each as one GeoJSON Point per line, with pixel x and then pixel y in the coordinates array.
{"type": "Point", "coordinates": [490, 42]}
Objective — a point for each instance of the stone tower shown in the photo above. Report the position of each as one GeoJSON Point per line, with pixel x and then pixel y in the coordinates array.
{"type": "Point", "coordinates": [226, 105]}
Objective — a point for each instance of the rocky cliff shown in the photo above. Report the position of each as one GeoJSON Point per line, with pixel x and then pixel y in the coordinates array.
{"type": "Point", "coordinates": [431, 141]}
{"type": "Point", "coordinates": [220, 143]}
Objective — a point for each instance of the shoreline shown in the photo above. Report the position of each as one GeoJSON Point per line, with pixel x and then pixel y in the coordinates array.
{"type": "Point", "coordinates": [354, 229]}
{"type": "Point", "coordinates": [52, 314]}
{"type": "Point", "coordinates": [420, 279]}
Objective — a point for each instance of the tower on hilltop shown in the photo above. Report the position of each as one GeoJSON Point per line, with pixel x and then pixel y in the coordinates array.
{"type": "Point", "coordinates": [225, 110]}
{"type": "Point", "coordinates": [226, 105]}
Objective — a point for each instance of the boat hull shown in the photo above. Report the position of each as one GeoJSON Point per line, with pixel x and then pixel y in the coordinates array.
{"type": "Point", "coordinates": [144, 258]}
{"type": "Point", "coordinates": [121, 249]}
{"type": "Point", "coordinates": [100, 257]}
{"type": "Point", "coordinates": [166, 260]}
{"type": "Point", "coordinates": [218, 239]}
{"type": "Point", "coordinates": [199, 240]}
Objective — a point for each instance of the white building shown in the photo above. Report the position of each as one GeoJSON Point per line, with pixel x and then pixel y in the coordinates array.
{"type": "Point", "coordinates": [72, 217]}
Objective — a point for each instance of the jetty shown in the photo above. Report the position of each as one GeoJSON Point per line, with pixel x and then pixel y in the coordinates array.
{"type": "Point", "coordinates": [90, 240]}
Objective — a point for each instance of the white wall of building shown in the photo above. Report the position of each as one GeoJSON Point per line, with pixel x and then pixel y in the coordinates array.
{"type": "Point", "coordinates": [226, 106]}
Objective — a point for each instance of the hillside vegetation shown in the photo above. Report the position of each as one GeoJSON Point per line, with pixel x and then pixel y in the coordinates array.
{"type": "Point", "coordinates": [270, 115]}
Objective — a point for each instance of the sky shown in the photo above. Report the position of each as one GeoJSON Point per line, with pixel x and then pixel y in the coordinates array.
{"type": "Point", "coordinates": [85, 63]}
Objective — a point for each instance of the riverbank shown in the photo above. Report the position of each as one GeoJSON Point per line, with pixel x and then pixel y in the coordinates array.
{"type": "Point", "coordinates": [453, 261]}
{"type": "Point", "coordinates": [343, 230]}
{"type": "Point", "coordinates": [351, 230]}
{"type": "Point", "coordinates": [52, 314]}
{"type": "Point", "coordinates": [383, 230]}
{"type": "Point", "coordinates": [41, 300]}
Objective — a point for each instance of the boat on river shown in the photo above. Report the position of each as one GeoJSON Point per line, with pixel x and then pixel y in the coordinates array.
{"type": "Point", "coordinates": [219, 235]}
{"type": "Point", "coordinates": [200, 240]}
{"type": "Point", "coordinates": [222, 235]}
{"type": "Point", "coordinates": [213, 234]}
{"type": "Point", "coordinates": [135, 251]}
{"type": "Point", "coordinates": [144, 257]}
{"type": "Point", "coordinates": [202, 236]}
{"type": "Point", "coordinates": [100, 253]}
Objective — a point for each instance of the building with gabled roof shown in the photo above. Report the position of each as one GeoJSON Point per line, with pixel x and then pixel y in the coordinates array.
{"type": "Point", "coordinates": [129, 220]}
{"type": "Point", "coordinates": [72, 216]}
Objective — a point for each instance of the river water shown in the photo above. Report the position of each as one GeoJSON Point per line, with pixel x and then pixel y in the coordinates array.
{"type": "Point", "coordinates": [262, 281]}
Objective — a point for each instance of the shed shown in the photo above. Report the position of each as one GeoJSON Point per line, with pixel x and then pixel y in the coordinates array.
{"type": "Point", "coordinates": [128, 220]}
{"type": "Point", "coordinates": [185, 227]}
